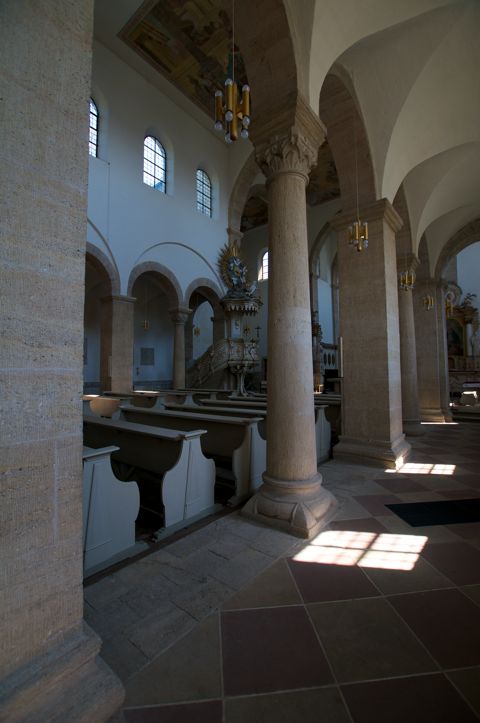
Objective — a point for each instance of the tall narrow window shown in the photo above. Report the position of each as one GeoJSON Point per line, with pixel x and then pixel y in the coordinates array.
{"type": "Point", "coordinates": [93, 129]}
{"type": "Point", "coordinates": [263, 270]}
{"type": "Point", "coordinates": [204, 193]}
{"type": "Point", "coordinates": [154, 164]}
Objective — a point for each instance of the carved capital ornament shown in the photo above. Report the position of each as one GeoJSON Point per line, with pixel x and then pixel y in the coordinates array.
{"type": "Point", "coordinates": [289, 153]}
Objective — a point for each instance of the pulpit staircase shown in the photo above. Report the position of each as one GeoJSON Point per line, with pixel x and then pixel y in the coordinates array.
{"type": "Point", "coordinates": [216, 368]}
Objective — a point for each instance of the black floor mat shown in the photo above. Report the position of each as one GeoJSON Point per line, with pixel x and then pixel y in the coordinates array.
{"type": "Point", "coordinates": [447, 512]}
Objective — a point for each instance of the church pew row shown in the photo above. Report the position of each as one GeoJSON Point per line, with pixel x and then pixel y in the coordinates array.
{"type": "Point", "coordinates": [176, 481]}
{"type": "Point", "coordinates": [322, 426]}
{"type": "Point", "coordinates": [233, 442]}
{"type": "Point", "coordinates": [110, 508]}
{"type": "Point", "coordinates": [331, 403]}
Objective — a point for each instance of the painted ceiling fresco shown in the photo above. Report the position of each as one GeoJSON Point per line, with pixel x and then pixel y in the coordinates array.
{"type": "Point", "coordinates": [189, 42]}
{"type": "Point", "coordinates": [323, 186]}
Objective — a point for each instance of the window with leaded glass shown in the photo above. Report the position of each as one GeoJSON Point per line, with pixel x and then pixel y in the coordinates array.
{"type": "Point", "coordinates": [204, 193]}
{"type": "Point", "coordinates": [154, 164]}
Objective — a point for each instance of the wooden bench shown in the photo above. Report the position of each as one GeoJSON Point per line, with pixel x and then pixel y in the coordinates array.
{"type": "Point", "coordinates": [234, 443]}
{"type": "Point", "coordinates": [110, 508]}
{"type": "Point", "coordinates": [323, 434]}
{"type": "Point", "coordinates": [176, 481]}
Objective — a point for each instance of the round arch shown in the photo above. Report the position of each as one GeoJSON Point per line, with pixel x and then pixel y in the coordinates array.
{"type": "Point", "coordinates": [167, 280]}
{"type": "Point", "coordinates": [348, 140]}
{"type": "Point", "coordinates": [467, 235]}
{"type": "Point", "coordinates": [102, 264]}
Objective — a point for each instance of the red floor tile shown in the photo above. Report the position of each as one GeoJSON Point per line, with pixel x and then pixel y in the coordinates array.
{"type": "Point", "coordinates": [447, 623]}
{"type": "Point", "coordinates": [321, 583]}
{"type": "Point", "coordinates": [205, 712]}
{"type": "Point", "coordinates": [271, 649]}
{"type": "Point", "coordinates": [375, 504]}
{"type": "Point", "coordinates": [459, 561]}
{"type": "Point", "coordinates": [422, 699]}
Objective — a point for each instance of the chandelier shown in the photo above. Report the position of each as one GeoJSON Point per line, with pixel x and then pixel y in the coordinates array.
{"type": "Point", "coordinates": [407, 279]}
{"type": "Point", "coordinates": [358, 231]}
{"type": "Point", "coordinates": [232, 113]}
{"type": "Point", "coordinates": [428, 302]}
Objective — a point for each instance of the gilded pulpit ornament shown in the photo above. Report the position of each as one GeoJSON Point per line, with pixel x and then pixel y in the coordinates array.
{"type": "Point", "coordinates": [239, 303]}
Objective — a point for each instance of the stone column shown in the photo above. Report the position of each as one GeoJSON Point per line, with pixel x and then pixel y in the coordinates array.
{"type": "Point", "coordinates": [443, 377]}
{"type": "Point", "coordinates": [179, 317]}
{"type": "Point", "coordinates": [49, 661]}
{"type": "Point", "coordinates": [426, 335]}
{"type": "Point", "coordinates": [117, 340]}
{"type": "Point", "coordinates": [292, 495]}
{"type": "Point", "coordinates": [372, 400]}
{"type": "Point", "coordinates": [408, 354]}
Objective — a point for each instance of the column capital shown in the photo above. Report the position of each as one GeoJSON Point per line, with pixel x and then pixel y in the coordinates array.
{"type": "Point", "coordinates": [378, 210]}
{"type": "Point", "coordinates": [289, 142]}
{"type": "Point", "coordinates": [180, 314]}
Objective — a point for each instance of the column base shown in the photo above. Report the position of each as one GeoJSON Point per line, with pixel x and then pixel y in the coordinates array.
{"type": "Point", "coordinates": [301, 508]}
{"type": "Point", "coordinates": [373, 453]}
{"type": "Point", "coordinates": [413, 428]}
{"type": "Point", "coordinates": [69, 683]}
{"type": "Point", "coordinates": [432, 414]}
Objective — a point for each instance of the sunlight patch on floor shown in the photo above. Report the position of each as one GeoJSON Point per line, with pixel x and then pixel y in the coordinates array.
{"type": "Point", "coordinates": [364, 549]}
{"type": "Point", "coordinates": [423, 468]}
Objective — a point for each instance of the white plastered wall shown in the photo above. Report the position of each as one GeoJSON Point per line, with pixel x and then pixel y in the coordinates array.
{"type": "Point", "coordinates": [131, 222]}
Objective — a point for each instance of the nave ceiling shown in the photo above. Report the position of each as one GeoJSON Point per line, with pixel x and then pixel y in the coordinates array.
{"type": "Point", "coordinates": [411, 68]}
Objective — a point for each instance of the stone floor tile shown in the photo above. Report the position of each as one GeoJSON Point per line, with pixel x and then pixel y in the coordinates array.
{"type": "Point", "coordinates": [425, 698]}
{"type": "Point", "coordinates": [459, 561]}
{"type": "Point", "coordinates": [421, 577]}
{"type": "Point", "coordinates": [446, 622]}
{"type": "Point", "coordinates": [467, 682]}
{"type": "Point", "coordinates": [205, 712]}
{"type": "Point", "coordinates": [365, 524]}
{"type": "Point", "coordinates": [242, 568]}
{"type": "Point", "coordinates": [376, 504]}
{"type": "Point", "coordinates": [435, 533]}
{"type": "Point", "coordinates": [303, 706]}
{"type": "Point", "coordinates": [473, 592]}
{"type": "Point", "coordinates": [271, 588]}
{"type": "Point", "coordinates": [103, 592]}
{"type": "Point", "coordinates": [270, 649]}
{"type": "Point", "coordinates": [122, 656]}
{"type": "Point", "coordinates": [157, 632]}
{"type": "Point", "coordinates": [112, 619]}
{"type": "Point", "coordinates": [203, 599]}
{"type": "Point", "coordinates": [367, 639]}
{"type": "Point", "coordinates": [348, 508]}
{"type": "Point", "coordinates": [319, 582]}
{"type": "Point", "coordinates": [190, 543]}
{"type": "Point", "coordinates": [275, 543]}
{"type": "Point", "coordinates": [189, 670]}
{"type": "Point", "coordinates": [425, 496]}
{"type": "Point", "coordinates": [397, 484]}
{"type": "Point", "coordinates": [466, 531]}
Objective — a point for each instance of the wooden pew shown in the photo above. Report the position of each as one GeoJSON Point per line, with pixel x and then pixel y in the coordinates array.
{"type": "Point", "coordinates": [175, 479]}
{"type": "Point", "coordinates": [234, 443]}
{"type": "Point", "coordinates": [110, 508]}
{"type": "Point", "coordinates": [323, 435]}
{"type": "Point", "coordinates": [332, 402]}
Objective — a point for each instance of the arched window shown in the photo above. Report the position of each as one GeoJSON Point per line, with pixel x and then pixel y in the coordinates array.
{"type": "Point", "coordinates": [204, 193]}
{"type": "Point", "coordinates": [93, 129]}
{"type": "Point", "coordinates": [263, 270]}
{"type": "Point", "coordinates": [154, 164]}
